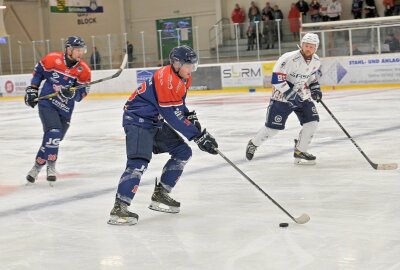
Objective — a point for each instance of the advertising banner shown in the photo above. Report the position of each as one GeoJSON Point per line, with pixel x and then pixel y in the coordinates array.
{"type": "Point", "coordinates": [239, 75]}
{"type": "Point", "coordinates": [14, 85]}
{"type": "Point", "coordinates": [377, 69]}
{"type": "Point", "coordinates": [76, 6]}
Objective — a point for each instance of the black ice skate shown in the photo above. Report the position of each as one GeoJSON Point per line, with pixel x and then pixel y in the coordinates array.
{"type": "Point", "coordinates": [161, 201]}
{"type": "Point", "coordinates": [33, 174]}
{"type": "Point", "coordinates": [250, 149]}
{"type": "Point", "coordinates": [120, 215]}
{"type": "Point", "coordinates": [303, 158]}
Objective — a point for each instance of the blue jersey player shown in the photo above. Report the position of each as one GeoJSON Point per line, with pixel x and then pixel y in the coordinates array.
{"type": "Point", "coordinates": [159, 99]}
{"type": "Point", "coordinates": [59, 71]}
{"type": "Point", "coordinates": [294, 86]}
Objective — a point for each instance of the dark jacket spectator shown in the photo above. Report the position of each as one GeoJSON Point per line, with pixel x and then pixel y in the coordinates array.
{"type": "Point", "coordinates": [314, 10]}
{"type": "Point", "coordinates": [394, 44]}
{"type": "Point", "coordinates": [277, 13]}
{"type": "Point", "coordinates": [254, 13]}
{"type": "Point", "coordinates": [251, 38]}
{"type": "Point", "coordinates": [95, 59]}
{"type": "Point", "coordinates": [370, 9]}
{"type": "Point", "coordinates": [129, 48]}
{"type": "Point", "coordinates": [356, 9]}
{"type": "Point", "coordinates": [303, 7]}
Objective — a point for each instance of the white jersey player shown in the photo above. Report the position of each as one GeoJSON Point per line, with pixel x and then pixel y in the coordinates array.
{"type": "Point", "coordinates": [294, 83]}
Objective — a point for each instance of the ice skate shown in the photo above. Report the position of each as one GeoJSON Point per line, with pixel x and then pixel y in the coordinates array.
{"type": "Point", "coordinates": [51, 174]}
{"type": "Point", "coordinates": [250, 149]}
{"type": "Point", "coordinates": [33, 174]}
{"type": "Point", "coordinates": [120, 215]}
{"type": "Point", "coordinates": [161, 201]}
{"type": "Point", "coordinates": [303, 158]}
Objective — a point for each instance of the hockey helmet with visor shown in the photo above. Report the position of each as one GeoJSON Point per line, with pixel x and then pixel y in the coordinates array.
{"type": "Point", "coordinates": [184, 55]}
{"type": "Point", "coordinates": [75, 42]}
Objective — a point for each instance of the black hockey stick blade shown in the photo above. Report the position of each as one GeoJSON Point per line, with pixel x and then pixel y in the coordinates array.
{"type": "Point", "coordinates": [304, 218]}
{"type": "Point", "coordinates": [115, 75]}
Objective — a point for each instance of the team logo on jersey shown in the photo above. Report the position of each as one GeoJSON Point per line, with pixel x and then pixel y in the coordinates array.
{"type": "Point", "coordinates": [55, 75]}
{"type": "Point", "coordinates": [58, 62]}
{"type": "Point", "coordinates": [314, 110]}
{"type": "Point", "coordinates": [278, 119]}
{"type": "Point", "coordinates": [80, 69]}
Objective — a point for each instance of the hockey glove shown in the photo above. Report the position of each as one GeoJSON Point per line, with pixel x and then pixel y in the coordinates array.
{"type": "Point", "coordinates": [192, 117]}
{"type": "Point", "coordinates": [293, 98]}
{"type": "Point", "coordinates": [31, 95]}
{"type": "Point", "coordinates": [316, 93]}
{"type": "Point", "coordinates": [67, 93]}
{"type": "Point", "coordinates": [206, 142]}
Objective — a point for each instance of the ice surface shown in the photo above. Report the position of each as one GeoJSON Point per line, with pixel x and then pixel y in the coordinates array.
{"type": "Point", "coordinates": [225, 223]}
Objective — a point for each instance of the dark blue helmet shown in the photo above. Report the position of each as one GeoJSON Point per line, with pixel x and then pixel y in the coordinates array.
{"type": "Point", "coordinates": [75, 42]}
{"type": "Point", "coordinates": [184, 55]}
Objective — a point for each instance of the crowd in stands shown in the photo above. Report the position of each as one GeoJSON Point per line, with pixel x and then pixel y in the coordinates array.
{"type": "Point", "coordinates": [301, 12]}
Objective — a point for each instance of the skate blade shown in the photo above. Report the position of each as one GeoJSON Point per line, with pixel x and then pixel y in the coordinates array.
{"type": "Point", "coordinates": [299, 161]}
{"type": "Point", "coordinates": [128, 221]}
{"type": "Point", "coordinates": [156, 206]}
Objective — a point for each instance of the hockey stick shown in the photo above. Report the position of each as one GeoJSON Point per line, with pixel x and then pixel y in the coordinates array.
{"type": "Point", "coordinates": [115, 75]}
{"type": "Point", "coordinates": [304, 218]}
{"type": "Point", "coordinates": [386, 166]}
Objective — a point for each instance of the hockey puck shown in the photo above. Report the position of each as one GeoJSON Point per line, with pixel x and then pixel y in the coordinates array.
{"type": "Point", "coordinates": [283, 225]}
{"type": "Point", "coordinates": [252, 90]}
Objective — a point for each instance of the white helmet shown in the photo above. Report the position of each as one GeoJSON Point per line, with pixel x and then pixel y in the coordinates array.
{"type": "Point", "coordinates": [310, 38]}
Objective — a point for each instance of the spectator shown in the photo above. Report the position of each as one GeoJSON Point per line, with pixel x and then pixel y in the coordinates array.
{"type": "Point", "coordinates": [238, 17]}
{"type": "Point", "coordinates": [95, 59]}
{"type": "Point", "coordinates": [394, 44]}
{"type": "Point", "coordinates": [396, 7]}
{"type": "Point", "coordinates": [251, 37]}
{"type": "Point", "coordinates": [129, 48]}
{"type": "Point", "coordinates": [254, 13]}
{"type": "Point", "coordinates": [269, 29]}
{"type": "Point", "coordinates": [294, 21]}
{"type": "Point", "coordinates": [323, 11]}
{"type": "Point", "coordinates": [314, 10]}
{"type": "Point", "coordinates": [334, 10]}
{"type": "Point", "coordinates": [266, 9]}
{"type": "Point", "coordinates": [370, 9]}
{"type": "Point", "coordinates": [302, 6]}
{"type": "Point", "coordinates": [278, 15]}
{"type": "Point", "coordinates": [389, 7]}
{"type": "Point", "coordinates": [356, 9]}
{"type": "Point", "coordinates": [356, 51]}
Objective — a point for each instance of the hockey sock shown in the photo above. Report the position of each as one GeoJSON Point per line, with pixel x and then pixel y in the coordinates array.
{"type": "Point", "coordinates": [49, 148]}
{"type": "Point", "coordinates": [174, 167]}
{"type": "Point", "coordinates": [305, 135]}
{"type": "Point", "coordinates": [130, 179]}
{"type": "Point", "coordinates": [263, 134]}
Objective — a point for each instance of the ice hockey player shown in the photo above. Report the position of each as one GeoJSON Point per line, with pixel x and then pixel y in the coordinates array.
{"type": "Point", "coordinates": [294, 83]}
{"type": "Point", "coordinates": [160, 98]}
{"type": "Point", "coordinates": [60, 71]}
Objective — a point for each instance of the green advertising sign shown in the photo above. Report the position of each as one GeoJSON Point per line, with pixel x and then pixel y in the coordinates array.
{"type": "Point", "coordinates": [76, 6]}
{"type": "Point", "coordinates": [174, 32]}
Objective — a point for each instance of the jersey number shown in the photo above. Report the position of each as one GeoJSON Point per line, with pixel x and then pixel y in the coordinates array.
{"type": "Point", "coordinates": [140, 90]}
